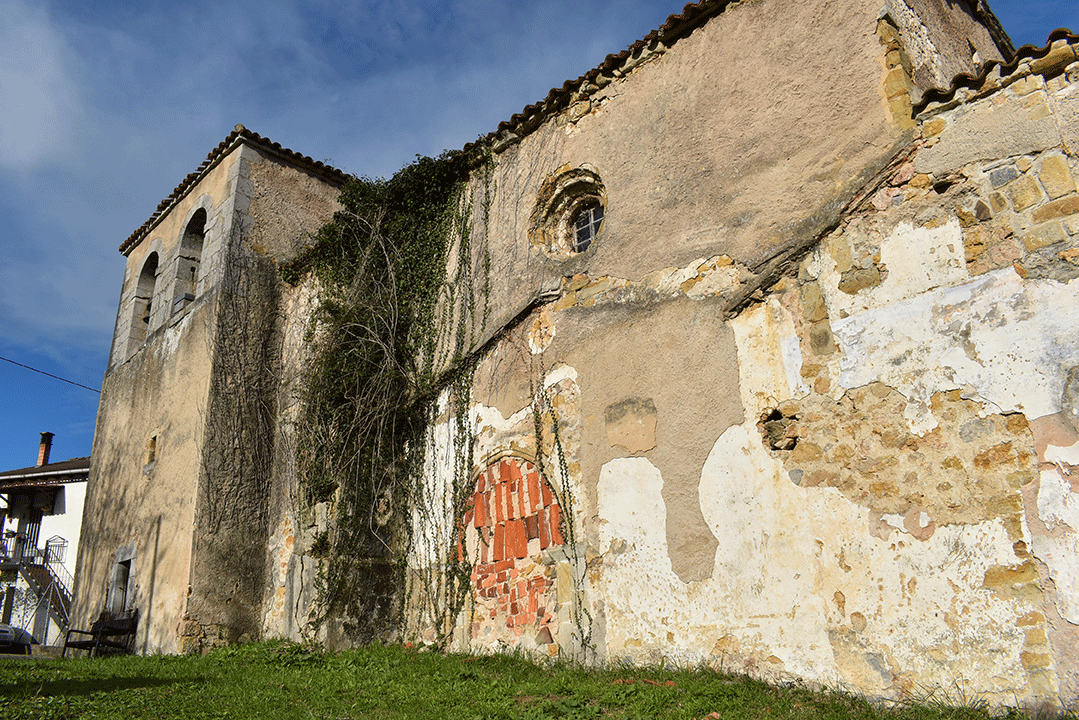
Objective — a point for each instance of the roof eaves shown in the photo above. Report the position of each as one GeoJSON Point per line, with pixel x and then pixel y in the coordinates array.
{"type": "Point", "coordinates": [75, 468]}
{"type": "Point", "coordinates": [42, 482]}
{"type": "Point", "coordinates": [237, 137]}
{"type": "Point", "coordinates": [1039, 60]}
{"type": "Point", "coordinates": [616, 65]}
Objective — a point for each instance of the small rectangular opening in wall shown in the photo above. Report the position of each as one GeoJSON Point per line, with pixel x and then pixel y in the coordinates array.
{"type": "Point", "coordinates": [151, 450]}
{"type": "Point", "coordinates": [119, 592]}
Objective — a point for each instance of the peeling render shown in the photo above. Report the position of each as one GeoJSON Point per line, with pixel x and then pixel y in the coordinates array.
{"type": "Point", "coordinates": [985, 337]}
{"type": "Point", "coordinates": [895, 510]}
{"type": "Point", "coordinates": [1058, 507]}
{"type": "Point", "coordinates": [851, 465]}
{"type": "Point", "coordinates": [765, 333]}
{"type": "Point", "coordinates": [914, 259]}
{"type": "Point", "coordinates": [889, 594]}
{"type": "Point", "coordinates": [526, 579]}
{"type": "Point", "coordinates": [764, 608]}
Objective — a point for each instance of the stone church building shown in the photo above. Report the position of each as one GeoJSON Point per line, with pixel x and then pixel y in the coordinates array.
{"type": "Point", "coordinates": [778, 369]}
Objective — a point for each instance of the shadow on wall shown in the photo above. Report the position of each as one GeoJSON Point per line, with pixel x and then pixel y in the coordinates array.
{"type": "Point", "coordinates": [99, 542]}
{"type": "Point", "coordinates": [148, 611]}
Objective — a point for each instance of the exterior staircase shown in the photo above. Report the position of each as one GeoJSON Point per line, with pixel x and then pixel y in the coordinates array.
{"type": "Point", "coordinates": [51, 590]}
{"type": "Point", "coordinates": [44, 573]}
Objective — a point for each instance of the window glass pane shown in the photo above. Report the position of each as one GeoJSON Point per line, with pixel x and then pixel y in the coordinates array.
{"type": "Point", "coordinates": [586, 225]}
{"type": "Point", "coordinates": [584, 236]}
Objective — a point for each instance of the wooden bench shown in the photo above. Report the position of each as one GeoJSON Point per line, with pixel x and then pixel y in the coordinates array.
{"type": "Point", "coordinates": [107, 634]}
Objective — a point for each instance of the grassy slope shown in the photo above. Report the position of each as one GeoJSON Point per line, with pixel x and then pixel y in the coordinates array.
{"type": "Point", "coordinates": [275, 680]}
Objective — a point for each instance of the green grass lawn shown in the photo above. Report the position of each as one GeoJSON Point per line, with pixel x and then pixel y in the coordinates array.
{"type": "Point", "coordinates": [278, 680]}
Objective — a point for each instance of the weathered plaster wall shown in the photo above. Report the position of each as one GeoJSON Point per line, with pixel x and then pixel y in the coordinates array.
{"type": "Point", "coordinates": [705, 149]}
{"type": "Point", "coordinates": [234, 478]}
{"type": "Point", "coordinates": [806, 407]}
{"type": "Point", "coordinates": [247, 495]}
{"type": "Point", "coordinates": [287, 206]}
{"type": "Point", "coordinates": [294, 530]}
{"type": "Point", "coordinates": [863, 477]}
{"type": "Point", "coordinates": [214, 195]}
{"type": "Point", "coordinates": [243, 588]}
{"type": "Point", "coordinates": [142, 490]}
{"type": "Point", "coordinates": [160, 392]}
{"type": "Point", "coordinates": [300, 535]}
{"type": "Point", "coordinates": [527, 552]}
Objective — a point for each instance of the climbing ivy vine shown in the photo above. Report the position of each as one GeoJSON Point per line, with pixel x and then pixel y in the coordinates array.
{"type": "Point", "coordinates": [402, 297]}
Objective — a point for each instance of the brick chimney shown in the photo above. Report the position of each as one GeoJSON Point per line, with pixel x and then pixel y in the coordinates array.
{"type": "Point", "coordinates": [44, 448]}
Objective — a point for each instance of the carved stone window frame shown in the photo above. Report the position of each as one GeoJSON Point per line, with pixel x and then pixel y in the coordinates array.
{"type": "Point", "coordinates": [562, 198]}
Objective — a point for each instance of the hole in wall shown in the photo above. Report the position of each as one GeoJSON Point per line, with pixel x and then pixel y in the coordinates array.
{"type": "Point", "coordinates": [775, 427]}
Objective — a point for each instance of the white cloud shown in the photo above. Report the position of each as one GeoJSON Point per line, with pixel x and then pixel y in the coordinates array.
{"type": "Point", "coordinates": [37, 99]}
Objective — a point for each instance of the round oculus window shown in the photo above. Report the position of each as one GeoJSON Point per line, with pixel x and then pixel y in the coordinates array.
{"type": "Point", "coordinates": [569, 213]}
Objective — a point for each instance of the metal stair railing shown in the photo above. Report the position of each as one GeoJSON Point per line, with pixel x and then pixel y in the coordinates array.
{"type": "Point", "coordinates": [47, 577]}
{"type": "Point", "coordinates": [45, 587]}
{"type": "Point", "coordinates": [54, 563]}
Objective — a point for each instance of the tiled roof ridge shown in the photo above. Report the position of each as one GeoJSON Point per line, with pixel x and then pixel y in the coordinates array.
{"type": "Point", "coordinates": [239, 134]}
{"type": "Point", "coordinates": [675, 28]}
{"type": "Point", "coordinates": [974, 82]}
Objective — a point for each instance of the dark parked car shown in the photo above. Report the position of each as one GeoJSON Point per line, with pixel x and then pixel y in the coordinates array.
{"type": "Point", "coordinates": [14, 640]}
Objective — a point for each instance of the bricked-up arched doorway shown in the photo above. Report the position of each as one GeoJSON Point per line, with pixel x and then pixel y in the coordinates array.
{"type": "Point", "coordinates": [514, 518]}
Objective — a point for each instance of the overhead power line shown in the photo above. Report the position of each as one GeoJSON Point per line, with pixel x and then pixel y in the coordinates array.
{"type": "Point", "coordinates": [54, 377]}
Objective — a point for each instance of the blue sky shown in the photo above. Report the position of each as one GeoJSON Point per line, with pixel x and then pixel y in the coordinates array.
{"type": "Point", "coordinates": [106, 105]}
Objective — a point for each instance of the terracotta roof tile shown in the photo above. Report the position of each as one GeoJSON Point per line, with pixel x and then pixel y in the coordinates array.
{"type": "Point", "coordinates": [973, 82]}
{"type": "Point", "coordinates": [239, 135]}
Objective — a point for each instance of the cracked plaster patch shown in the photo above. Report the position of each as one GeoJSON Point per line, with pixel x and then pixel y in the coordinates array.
{"type": "Point", "coordinates": [516, 432]}
{"type": "Point", "coordinates": [769, 357]}
{"type": "Point", "coordinates": [542, 331]}
{"type": "Point", "coordinates": [631, 424]}
{"type": "Point", "coordinates": [1062, 455]}
{"type": "Point", "coordinates": [984, 337]}
{"type": "Point", "coordinates": [917, 259]}
{"type": "Point", "coordinates": [925, 56]}
{"type": "Point", "coordinates": [433, 524]}
{"type": "Point", "coordinates": [1058, 508]}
